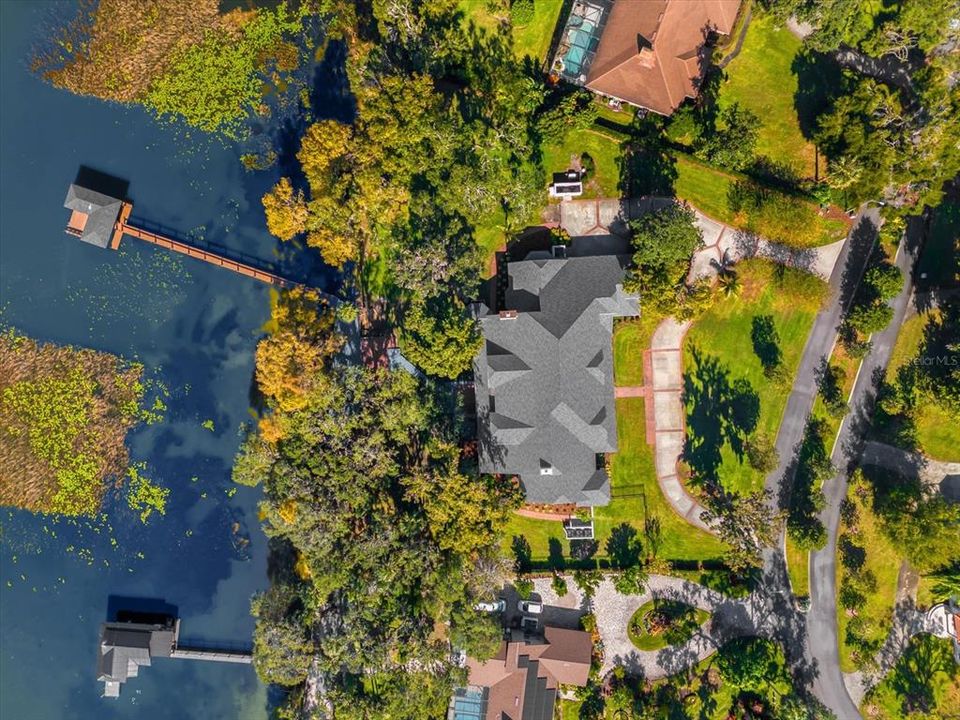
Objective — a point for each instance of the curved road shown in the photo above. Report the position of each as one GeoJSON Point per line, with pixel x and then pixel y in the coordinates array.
{"type": "Point", "coordinates": [814, 645]}
{"type": "Point", "coordinates": [822, 618]}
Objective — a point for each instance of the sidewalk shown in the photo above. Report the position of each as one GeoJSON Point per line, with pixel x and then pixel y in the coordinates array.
{"type": "Point", "coordinates": [666, 383]}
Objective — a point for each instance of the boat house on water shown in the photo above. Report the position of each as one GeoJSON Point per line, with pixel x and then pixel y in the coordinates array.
{"type": "Point", "coordinates": [94, 215]}
{"type": "Point", "coordinates": [136, 638]}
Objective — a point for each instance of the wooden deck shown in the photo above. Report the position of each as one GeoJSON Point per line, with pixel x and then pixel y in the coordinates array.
{"type": "Point", "coordinates": [119, 228]}
{"type": "Point", "coordinates": [123, 227]}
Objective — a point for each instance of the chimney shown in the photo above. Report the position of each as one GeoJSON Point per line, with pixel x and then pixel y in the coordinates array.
{"type": "Point", "coordinates": [645, 51]}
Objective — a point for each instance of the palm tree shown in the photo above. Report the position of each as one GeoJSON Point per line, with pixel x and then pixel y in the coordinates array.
{"type": "Point", "coordinates": [730, 284]}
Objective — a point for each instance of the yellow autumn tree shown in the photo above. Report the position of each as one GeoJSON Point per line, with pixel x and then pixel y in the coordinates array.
{"type": "Point", "coordinates": [291, 361]}
{"type": "Point", "coordinates": [325, 153]}
{"type": "Point", "coordinates": [286, 210]}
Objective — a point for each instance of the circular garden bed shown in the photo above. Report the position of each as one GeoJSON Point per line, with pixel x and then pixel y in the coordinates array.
{"type": "Point", "coordinates": [659, 623]}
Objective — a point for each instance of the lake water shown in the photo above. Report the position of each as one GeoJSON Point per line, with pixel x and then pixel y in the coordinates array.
{"type": "Point", "coordinates": [194, 327]}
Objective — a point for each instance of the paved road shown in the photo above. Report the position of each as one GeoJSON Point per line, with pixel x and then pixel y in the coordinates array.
{"type": "Point", "coordinates": [843, 280]}
{"type": "Point", "coordinates": [822, 641]}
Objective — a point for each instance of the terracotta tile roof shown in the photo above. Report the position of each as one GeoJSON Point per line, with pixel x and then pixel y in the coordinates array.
{"type": "Point", "coordinates": [650, 53]}
{"type": "Point", "coordinates": [563, 657]}
{"type": "Point", "coordinates": [567, 655]}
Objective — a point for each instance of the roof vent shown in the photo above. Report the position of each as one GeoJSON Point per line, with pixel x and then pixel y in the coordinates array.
{"type": "Point", "coordinates": [508, 314]}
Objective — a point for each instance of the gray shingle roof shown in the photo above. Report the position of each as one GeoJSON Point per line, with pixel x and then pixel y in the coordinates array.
{"type": "Point", "coordinates": [101, 210]}
{"type": "Point", "coordinates": [125, 647]}
{"type": "Point", "coordinates": [544, 378]}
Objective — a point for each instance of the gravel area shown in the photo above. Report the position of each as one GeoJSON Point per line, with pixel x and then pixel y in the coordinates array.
{"type": "Point", "coordinates": [613, 612]}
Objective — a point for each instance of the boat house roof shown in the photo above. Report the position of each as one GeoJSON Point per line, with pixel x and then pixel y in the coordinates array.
{"type": "Point", "coordinates": [94, 215]}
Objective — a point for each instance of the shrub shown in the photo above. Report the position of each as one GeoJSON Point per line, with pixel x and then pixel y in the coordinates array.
{"type": "Point", "coordinates": [524, 587]}
{"type": "Point", "coordinates": [830, 379]}
{"type": "Point", "coordinates": [885, 279]}
{"type": "Point", "coordinates": [588, 164]}
{"type": "Point", "coordinates": [732, 143]}
{"type": "Point", "coordinates": [761, 453]}
{"type": "Point", "coordinates": [559, 585]}
{"type": "Point", "coordinates": [774, 215]}
{"type": "Point", "coordinates": [521, 11]}
{"type": "Point", "coordinates": [807, 533]}
{"type": "Point", "coordinates": [870, 318]}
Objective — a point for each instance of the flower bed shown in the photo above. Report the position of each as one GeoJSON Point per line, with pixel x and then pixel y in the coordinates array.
{"type": "Point", "coordinates": [659, 623]}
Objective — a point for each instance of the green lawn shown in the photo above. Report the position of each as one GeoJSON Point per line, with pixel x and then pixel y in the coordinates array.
{"type": "Point", "coordinates": [622, 117]}
{"type": "Point", "coordinates": [532, 39]}
{"type": "Point", "coordinates": [882, 560]}
{"type": "Point", "coordinates": [925, 682]}
{"type": "Point", "coordinates": [707, 189]}
{"type": "Point", "coordinates": [936, 431]}
{"type": "Point", "coordinates": [630, 339]}
{"type": "Point", "coordinates": [570, 709]}
{"type": "Point", "coordinates": [798, 566]}
{"type": "Point", "coordinates": [704, 187]}
{"type": "Point", "coordinates": [489, 235]}
{"type": "Point", "coordinates": [604, 151]}
{"type": "Point", "coordinates": [636, 496]}
{"type": "Point", "coordinates": [760, 78]}
{"type": "Point", "coordinates": [685, 620]}
{"type": "Point", "coordinates": [724, 333]}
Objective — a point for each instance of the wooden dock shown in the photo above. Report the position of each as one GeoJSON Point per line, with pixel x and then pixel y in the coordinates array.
{"type": "Point", "coordinates": [227, 656]}
{"type": "Point", "coordinates": [179, 652]}
{"type": "Point", "coordinates": [123, 227]}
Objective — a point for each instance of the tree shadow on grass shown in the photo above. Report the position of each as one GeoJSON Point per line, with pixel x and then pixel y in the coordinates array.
{"type": "Point", "coordinates": [522, 555]}
{"type": "Point", "coordinates": [555, 558]}
{"type": "Point", "coordinates": [766, 342]}
{"type": "Point", "coordinates": [624, 547]}
{"type": "Point", "coordinates": [820, 80]}
{"type": "Point", "coordinates": [914, 675]}
{"type": "Point", "coordinates": [720, 410]}
{"type": "Point", "coordinates": [646, 168]}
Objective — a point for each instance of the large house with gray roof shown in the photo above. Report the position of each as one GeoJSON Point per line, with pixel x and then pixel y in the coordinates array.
{"type": "Point", "coordinates": [544, 375]}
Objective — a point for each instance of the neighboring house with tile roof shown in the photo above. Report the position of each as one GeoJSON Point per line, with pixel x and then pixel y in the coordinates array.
{"type": "Point", "coordinates": [650, 53]}
{"type": "Point", "coordinates": [544, 376]}
{"type": "Point", "coordinates": [521, 681]}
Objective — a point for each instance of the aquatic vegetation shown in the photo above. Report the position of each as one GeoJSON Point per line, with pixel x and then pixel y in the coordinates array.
{"type": "Point", "coordinates": [179, 58]}
{"type": "Point", "coordinates": [163, 277]}
{"type": "Point", "coordinates": [64, 416]}
{"type": "Point", "coordinates": [144, 496]}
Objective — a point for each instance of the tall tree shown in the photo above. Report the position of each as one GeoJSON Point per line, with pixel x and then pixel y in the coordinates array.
{"type": "Point", "coordinates": [440, 337]}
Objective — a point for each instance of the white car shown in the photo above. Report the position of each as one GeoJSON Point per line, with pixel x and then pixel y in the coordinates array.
{"type": "Point", "coordinates": [497, 606]}
{"type": "Point", "coordinates": [530, 607]}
